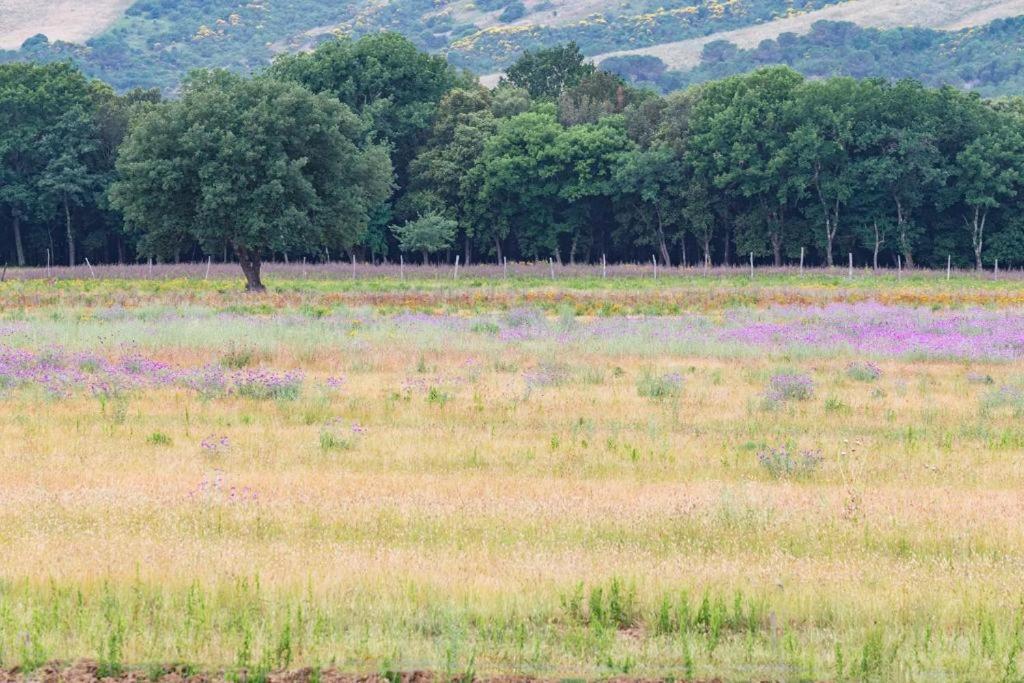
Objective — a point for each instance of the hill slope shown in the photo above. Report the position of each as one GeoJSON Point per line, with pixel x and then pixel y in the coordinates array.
{"type": "Point", "coordinates": [152, 43]}
{"type": "Point", "coordinates": [944, 15]}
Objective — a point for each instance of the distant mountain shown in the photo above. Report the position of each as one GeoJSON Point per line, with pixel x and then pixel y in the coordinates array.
{"type": "Point", "coordinates": [153, 43]}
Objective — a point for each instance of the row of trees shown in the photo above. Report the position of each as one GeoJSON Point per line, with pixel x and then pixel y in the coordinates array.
{"type": "Point", "coordinates": [372, 147]}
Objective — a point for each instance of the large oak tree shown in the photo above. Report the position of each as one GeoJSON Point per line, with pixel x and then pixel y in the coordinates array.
{"type": "Point", "coordinates": [258, 164]}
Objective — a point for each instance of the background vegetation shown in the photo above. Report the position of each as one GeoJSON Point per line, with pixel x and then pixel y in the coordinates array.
{"type": "Point", "coordinates": [562, 161]}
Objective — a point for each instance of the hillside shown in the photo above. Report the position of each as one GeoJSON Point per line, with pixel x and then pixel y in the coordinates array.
{"type": "Point", "coordinates": [985, 59]}
{"type": "Point", "coordinates": [153, 43]}
{"type": "Point", "coordinates": [943, 15]}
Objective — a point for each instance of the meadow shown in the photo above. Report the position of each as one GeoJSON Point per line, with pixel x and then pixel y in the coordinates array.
{"type": "Point", "coordinates": [786, 477]}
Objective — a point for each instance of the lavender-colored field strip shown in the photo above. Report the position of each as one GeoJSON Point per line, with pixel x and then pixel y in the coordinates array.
{"type": "Point", "coordinates": [853, 330]}
{"type": "Point", "coordinates": [62, 374]}
{"type": "Point", "coordinates": [862, 329]}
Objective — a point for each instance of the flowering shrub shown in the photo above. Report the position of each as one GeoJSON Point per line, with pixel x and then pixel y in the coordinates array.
{"type": "Point", "coordinates": [791, 386]}
{"type": "Point", "coordinates": [337, 436]}
{"type": "Point", "coordinates": [215, 445]}
{"type": "Point", "coordinates": [265, 384]}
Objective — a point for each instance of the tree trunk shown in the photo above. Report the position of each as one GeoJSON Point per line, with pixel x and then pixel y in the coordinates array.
{"type": "Point", "coordinates": [707, 251]}
{"type": "Point", "coordinates": [901, 223]}
{"type": "Point", "coordinates": [468, 253]}
{"type": "Point", "coordinates": [426, 257]}
{"type": "Point", "coordinates": [978, 236]}
{"type": "Point", "coordinates": [831, 219]}
{"type": "Point", "coordinates": [18, 246]}
{"type": "Point", "coordinates": [250, 262]}
{"type": "Point", "coordinates": [70, 234]}
{"type": "Point", "coordinates": [878, 245]}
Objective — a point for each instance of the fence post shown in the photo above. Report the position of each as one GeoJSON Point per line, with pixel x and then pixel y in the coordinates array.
{"type": "Point", "coordinates": [401, 265]}
{"type": "Point", "coordinates": [751, 265]}
{"type": "Point", "coordinates": [209, 262]}
{"type": "Point", "coordinates": [353, 266]}
{"type": "Point", "coordinates": [551, 265]}
{"type": "Point", "coordinates": [995, 273]}
{"type": "Point", "coordinates": [505, 263]}
{"type": "Point", "coordinates": [851, 266]}
{"type": "Point", "coordinates": [801, 260]}
{"type": "Point", "coordinates": [654, 260]}
{"type": "Point", "coordinates": [899, 266]}
{"type": "Point", "coordinates": [604, 266]}
{"type": "Point", "coordinates": [949, 266]}
{"type": "Point", "coordinates": [458, 257]}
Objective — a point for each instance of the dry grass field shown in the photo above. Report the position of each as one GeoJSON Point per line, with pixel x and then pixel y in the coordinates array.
{"type": "Point", "coordinates": [475, 486]}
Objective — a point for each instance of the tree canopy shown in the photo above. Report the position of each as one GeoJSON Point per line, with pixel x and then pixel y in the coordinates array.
{"type": "Point", "coordinates": [587, 167]}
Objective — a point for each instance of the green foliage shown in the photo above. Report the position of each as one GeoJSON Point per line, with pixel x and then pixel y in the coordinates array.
{"type": "Point", "coordinates": [546, 73]}
{"type": "Point", "coordinates": [660, 386]}
{"type": "Point", "coordinates": [384, 78]}
{"type": "Point", "coordinates": [58, 136]}
{"type": "Point", "coordinates": [428, 235]}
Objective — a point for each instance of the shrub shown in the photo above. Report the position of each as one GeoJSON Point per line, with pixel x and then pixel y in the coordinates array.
{"type": "Point", "coordinates": [237, 358]}
{"type": "Point", "coordinates": [438, 396]}
{"type": "Point", "coordinates": [664, 386]}
{"type": "Point", "coordinates": [783, 463]}
{"type": "Point", "coordinates": [265, 385]}
{"type": "Point", "coordinates": [863, 371]}
{"type": "Point", "coordinates": [158, 439]}
{"type": "Point", "coordinates": [1003, 397]}
{"type": "Point", "coordinates": [336, 436]}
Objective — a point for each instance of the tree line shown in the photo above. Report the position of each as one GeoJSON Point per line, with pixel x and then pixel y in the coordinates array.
{"type": "Point", "coordinates": [371, 148]}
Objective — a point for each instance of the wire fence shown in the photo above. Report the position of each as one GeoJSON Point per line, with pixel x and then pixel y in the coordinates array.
{"type": "Point", "coordinates": [336, 271]}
